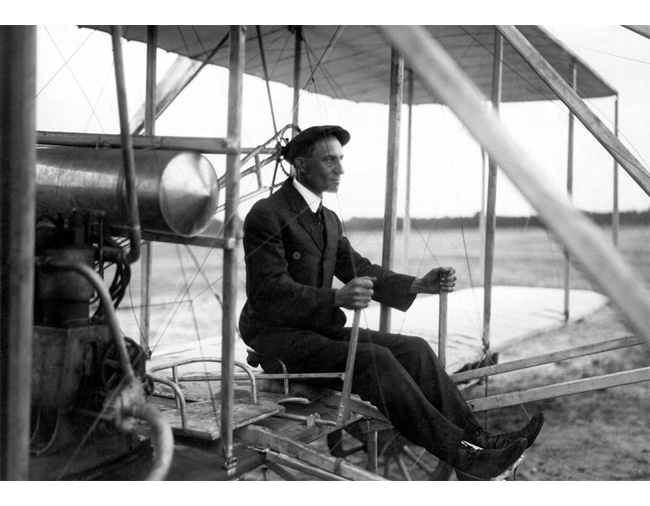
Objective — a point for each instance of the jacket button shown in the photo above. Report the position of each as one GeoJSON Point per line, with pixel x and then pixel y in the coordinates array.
{"type": "Point", "coordinates": [296, 255]}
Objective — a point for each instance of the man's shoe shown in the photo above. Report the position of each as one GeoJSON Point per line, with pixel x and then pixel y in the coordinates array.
{"type": "Point", "coordinates": [530, 431]}
{"type": "Point", "coordinates": [477, 464]}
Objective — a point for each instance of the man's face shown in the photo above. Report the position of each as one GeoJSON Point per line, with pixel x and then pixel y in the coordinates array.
{"type": "Point", "coordinates": [321, 172]}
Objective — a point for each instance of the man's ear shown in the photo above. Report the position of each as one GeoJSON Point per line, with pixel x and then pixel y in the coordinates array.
{"type": "Point", "coordinates": [299, 164]}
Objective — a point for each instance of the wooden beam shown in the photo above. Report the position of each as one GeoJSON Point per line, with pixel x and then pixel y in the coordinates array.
{"type": "Point", "coordinates": [491, 214]}
{"type": "Point", "coordinates": [569, 189]}
{"type": "Point", "coordinates": [149, 129]}
{"type": "Point", "coordinates": [601, 262]}
{"type": "Point", "coordinates": [560, 390]}
{"type": "Point", "coordinates": [392, 169]}
{"type": "Point", "coordinates": [564, 92]}
{"type": "Point", "coordinates": [262, 437]}
{"type": "Point", "coordinates": [643, 30]}
{"type": "Point", "coordinates": [17, 230]}
{"type": "Point", "coordinates": [346, 391]}
{"type": "Point", "coordinates": [178, 76]}
{"type": "Point", "coordinates": [208, 145]}
{"type": "Point", "coordinates": [443, 312]}
{"type": "Point", "coordinates": [288, 461]}
{"type": "Point", "coordinates": [615, 184]}
{"type": "Point", "coordinates": [297, 66]}
{"type": "Point", "coordinates": [231, 228]}
{"type": "Point", "coordinates": [547, 358]}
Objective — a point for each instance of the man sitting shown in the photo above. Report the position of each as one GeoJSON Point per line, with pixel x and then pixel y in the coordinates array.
{"type": "Point", "coordinates": [294, 247]}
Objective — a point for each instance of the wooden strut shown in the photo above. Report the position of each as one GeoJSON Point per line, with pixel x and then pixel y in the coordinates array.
{"type": "Point", "coordinates": [149, 129]}
{"type": "Point", "coordinates": [491, 195]}
{"type": "Point", "coordinates": [547, 358]}
{"type": "Point", "coordinates": [392, 169]}
{"type": "Point", "coordinates": [571, 99]}
{"type": "Point", "coordinates": [276, 445]}
{"type": "Point", "coordinates": [442, 329]}
{"type": "Point", "coordinates": [17, 232]}
{"type": "Point", "coordinates": [560, 390]}
{"type": "Point", "coordinates": [604, 265]}
{"type": "Point", "coordinates": [344, 406]}
{"type": "Point", "coordinates": [231, 227]}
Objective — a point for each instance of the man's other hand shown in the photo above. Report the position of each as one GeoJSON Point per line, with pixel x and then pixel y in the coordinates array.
{"type": "Point", "coordinates": [356, 294]}
{"type": "Point", "coordinates": [436, 280]}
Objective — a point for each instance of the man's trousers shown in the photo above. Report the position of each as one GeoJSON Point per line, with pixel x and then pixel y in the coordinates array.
{"type": "Point", "coordinates": [403, 378]}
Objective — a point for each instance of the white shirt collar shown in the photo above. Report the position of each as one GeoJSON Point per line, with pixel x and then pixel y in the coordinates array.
{"type": "Point", "coordinates": [313, 200]}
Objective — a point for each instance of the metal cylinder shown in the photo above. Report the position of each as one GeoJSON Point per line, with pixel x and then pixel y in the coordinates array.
{"type": "Point", "coordinates": [177, 191]}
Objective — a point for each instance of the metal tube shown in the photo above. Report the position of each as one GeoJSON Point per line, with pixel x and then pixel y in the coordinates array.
{"type": "Point", "coordinates": [231, 227]}
{"type": "Point", "coordinates": [392, 166]}
{"type": "Point", "coordinates": [491, 219]}
{"type": "Point", "coordinates": [17, 222]}
{"type": "Point", "coordinates": [127, 148]}
{"type": "Point", "coordinates": [163, 436]}
{"type": "Point", "coordinates": [181, 405]}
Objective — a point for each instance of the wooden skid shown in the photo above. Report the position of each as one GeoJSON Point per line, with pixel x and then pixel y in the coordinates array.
{"type": "Point", "coordinates": [547, 358]}
{"type": "Point", "coordinates": [279, 445]}
{"type": "Point", "coordinates": [203, 417]}
{"type": "Point", "coordinates": [561, 389]}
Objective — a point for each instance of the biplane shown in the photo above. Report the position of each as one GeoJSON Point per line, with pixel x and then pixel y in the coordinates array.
{"type": "Point", "coordinates": [80, 400]}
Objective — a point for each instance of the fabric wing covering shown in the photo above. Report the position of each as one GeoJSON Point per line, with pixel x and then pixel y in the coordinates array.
{"type": "Point", "coordinates": [353, 62]}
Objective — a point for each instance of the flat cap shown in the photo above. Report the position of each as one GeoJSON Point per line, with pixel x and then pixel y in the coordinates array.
{"type": "Point", "coordinates": [312, 135]}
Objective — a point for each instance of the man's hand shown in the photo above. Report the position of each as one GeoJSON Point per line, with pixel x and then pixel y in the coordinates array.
{"type": "Point", "coordinates": [435, 281]}
{"type": "Point", "coordinates": [356, 294]}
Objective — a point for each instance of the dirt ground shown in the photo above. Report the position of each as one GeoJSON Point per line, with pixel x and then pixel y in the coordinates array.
{"type": "Point", "coordinates": [600, 435]}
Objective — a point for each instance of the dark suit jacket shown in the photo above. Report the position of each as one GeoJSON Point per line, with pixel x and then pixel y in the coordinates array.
{"type": "Point", "coordinates": [290, 267]}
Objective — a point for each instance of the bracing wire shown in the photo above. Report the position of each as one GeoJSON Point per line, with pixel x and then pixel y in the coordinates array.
{"type": "Point", "coordinates": [67, 66]}
{"type": "Point", "coordinates": [266, 74]}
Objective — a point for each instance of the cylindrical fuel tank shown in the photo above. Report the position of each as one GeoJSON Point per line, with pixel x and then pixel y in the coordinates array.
{"type": "Point", "coordinates": [177, 191]}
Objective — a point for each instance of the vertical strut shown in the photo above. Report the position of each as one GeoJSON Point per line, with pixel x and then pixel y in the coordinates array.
{"type": "Point", "coordinates": [392, 166]}
{"type": "Point", "coordinates": [490, 221]}
{"type": "Point", "coordinates": [149, 129]}
{"type": "Point", "coordinates": [17, 219]}
{"type": "Point", "coordinates": [616, 171]}
{"type": "Point", "coordinates": [235, 88]}
{"type": "Point", "coordinates": [569, 189]}
{"type": "Point", "coordinates": [297, 65]}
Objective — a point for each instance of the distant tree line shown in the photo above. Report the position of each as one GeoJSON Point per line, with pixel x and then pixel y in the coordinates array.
{"type": "Point", "coordinates": [602, 219]}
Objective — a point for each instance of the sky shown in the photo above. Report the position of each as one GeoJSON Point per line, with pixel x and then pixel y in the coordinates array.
{"type": "Point", "coordinates": [76, 93]}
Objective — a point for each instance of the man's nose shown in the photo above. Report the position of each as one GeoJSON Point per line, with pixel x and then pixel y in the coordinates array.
{"type": "Point", "coordinates": [338, 167]}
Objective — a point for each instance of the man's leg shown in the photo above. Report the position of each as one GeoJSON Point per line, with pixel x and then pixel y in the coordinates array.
{"type": "Point", "coordinates": [380, 379]}
{"type": "Point", "coordinates": [417, 357]}
{"type": "Point", "coordinates": [422, 364]}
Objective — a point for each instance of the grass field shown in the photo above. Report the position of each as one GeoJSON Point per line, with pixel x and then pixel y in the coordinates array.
{"type": "Point", "coordinates": [184, 298]}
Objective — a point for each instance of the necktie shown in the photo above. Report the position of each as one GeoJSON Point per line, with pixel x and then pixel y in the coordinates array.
{"type": "Point", "coordinates": [319, 218]}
